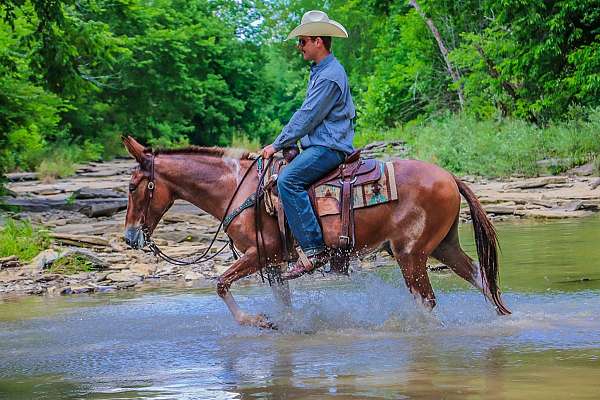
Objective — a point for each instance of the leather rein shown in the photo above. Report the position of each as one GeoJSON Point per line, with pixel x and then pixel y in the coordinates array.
{"type": "Point", "coordinates": [255, 197]}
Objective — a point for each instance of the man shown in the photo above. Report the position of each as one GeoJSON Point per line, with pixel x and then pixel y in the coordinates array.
{"type": "Point", "coordinates": [324, 126]}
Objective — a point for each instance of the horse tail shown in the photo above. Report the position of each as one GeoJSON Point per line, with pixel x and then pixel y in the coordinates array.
{"type": "Point", "coordinates": [486, 241]}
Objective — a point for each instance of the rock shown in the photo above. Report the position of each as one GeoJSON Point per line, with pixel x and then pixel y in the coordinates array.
{"type": "Point", "coordinates": [593, 205]}
{"type": "Point", "coordinates": [193, 276]}
{"type": "Point", "coordinates": [125, 285]}
{"type": "Point", "coordinates": [53, 290]}
{"type": "Point", "coordinates": [553, 214]}
{"type": "Point", "coordinates": [554, 165]}
{"type": "Point", "coordinates": [582, 170]}
{"type": "Point", "coordinates": [81, 289]}
{"type": "Point", "coordinates": [11, 275]}
{"type": "Point", "coordinates": [104, 288]}
{"type": "Point", "coordinates": [143, 269]}
{"type": "Point", "coordinates": [42, 260]}
{"type": "Point", "coordinates": [535, 183]}
{"type": "Point", "coordinates": [500, 209]}
{"type": "Point", "coordinates": [93, 258]}
{"type": "Point", "coordinates": [48, 191]}
{"type": "Point", "coordinates": [79, 240]}
{"type": "Point", "coordinates": [99, 276]}
{"type": "Point", "coordinates": [166, 269]}
{"type": "Point", "coordinates": [102, 210]}
{"type": "Point", "coordinates": [65, 290]}
{"type": "Point", "coordinates": [573, 205]}
{"type": "Point", "coordinates": [21, 176]}
{"type": "Point", "coordinates": [9, 262]}
{"type": "Point", "coordinates": [35, 204]}
{"type": "Point", "coordinates": [48, 277]}
{"type": "Point", "coordinates": [547, 204]}
{"type": "Point", "coordinates": [124, 276]}
{"type": "Point", "coordinates": [95, 193]}
{"type": "Point", "coordinates": [595, 184]}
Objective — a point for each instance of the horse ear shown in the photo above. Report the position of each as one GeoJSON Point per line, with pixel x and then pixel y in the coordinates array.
{"type": "Point", "coordinates": [134, 148]}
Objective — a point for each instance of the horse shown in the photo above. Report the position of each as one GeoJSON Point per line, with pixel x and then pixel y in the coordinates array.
{"type": "Point", "coordinates": [422, 222]}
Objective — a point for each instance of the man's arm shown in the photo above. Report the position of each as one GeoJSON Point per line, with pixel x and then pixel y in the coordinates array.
{"type": "Point", "coordinates": [313, 111]}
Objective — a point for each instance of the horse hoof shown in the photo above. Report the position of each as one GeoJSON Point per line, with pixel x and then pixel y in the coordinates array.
{"type": "Point", "coordinates": [262, 321]}
{"type": "Point", "coordinates": [259, 321]}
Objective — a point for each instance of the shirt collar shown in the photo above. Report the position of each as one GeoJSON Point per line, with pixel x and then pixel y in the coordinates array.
{"type": "Point", "coordinates": [314, 67]}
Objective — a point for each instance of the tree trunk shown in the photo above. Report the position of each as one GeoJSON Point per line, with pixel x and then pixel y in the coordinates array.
{"type": "Point", "coordinates": [436, 34]}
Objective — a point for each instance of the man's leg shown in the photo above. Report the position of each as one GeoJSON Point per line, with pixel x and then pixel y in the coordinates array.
{"type": "Point", "coordinates": [293, 182]}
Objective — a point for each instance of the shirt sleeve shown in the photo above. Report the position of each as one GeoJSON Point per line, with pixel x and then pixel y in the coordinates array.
{"type": "Point", "coordinates": [314, 109]}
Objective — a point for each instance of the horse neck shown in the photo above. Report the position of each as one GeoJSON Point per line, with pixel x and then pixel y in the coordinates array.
{"type": "Point", "coordinates": [206, 181]}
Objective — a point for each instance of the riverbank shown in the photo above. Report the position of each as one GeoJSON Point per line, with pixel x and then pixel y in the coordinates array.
{"type": "Point", "coordinates": [85, 215]}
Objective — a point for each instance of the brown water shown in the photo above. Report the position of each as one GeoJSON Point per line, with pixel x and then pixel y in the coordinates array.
{"type": "Point", "coordinates": [359, 338]}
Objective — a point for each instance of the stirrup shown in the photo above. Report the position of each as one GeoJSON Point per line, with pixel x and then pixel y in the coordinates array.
{"type": "Point", "coordinates": [306, 265]}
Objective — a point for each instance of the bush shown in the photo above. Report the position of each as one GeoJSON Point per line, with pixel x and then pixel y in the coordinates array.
{"type": "Point", "coordinates": [21, 239]}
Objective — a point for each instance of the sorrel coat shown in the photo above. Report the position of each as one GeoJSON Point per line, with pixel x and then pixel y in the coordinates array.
{"type": "Point", "coordinates": [423, 221]}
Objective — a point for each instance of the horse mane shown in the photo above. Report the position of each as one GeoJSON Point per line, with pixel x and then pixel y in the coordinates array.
{"type": "Point", "coordinates": [219, 152]}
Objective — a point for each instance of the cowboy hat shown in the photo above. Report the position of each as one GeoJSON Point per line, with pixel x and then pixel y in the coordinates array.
{"type": "Point", "coordinates": [317, 23]}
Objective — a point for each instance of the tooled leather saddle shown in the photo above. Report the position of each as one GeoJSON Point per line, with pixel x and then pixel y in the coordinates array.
{"type": "Point", "coordinates": [354, 171]}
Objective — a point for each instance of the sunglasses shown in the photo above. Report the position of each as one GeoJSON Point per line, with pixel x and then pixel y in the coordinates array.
{"type": "Point", "coordinates": [302, 42]}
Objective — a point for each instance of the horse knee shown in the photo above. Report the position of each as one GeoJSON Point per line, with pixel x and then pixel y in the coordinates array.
{"type": "Point", "coordinates": [222, 287]}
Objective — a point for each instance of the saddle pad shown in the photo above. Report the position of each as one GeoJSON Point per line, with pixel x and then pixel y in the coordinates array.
{"type": "Point", "coordinates": [370, 194]}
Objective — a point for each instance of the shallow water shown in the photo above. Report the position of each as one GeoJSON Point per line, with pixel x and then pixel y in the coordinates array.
{"type": "Point", "coordinates": [359, 338]}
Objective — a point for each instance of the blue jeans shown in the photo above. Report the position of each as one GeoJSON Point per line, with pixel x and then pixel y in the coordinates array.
{"type": "Point", "coordinates": [293, 182]}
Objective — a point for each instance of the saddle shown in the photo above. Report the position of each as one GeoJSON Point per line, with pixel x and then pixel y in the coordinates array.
{"type": "Point", "coordinates": [333, 194]}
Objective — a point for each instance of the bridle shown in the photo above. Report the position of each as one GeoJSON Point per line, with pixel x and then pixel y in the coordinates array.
{"type": "Point", "coordinates": [204, 256]}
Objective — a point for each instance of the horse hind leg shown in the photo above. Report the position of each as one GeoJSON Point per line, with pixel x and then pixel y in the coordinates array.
{"type": "Point", "coordinates": [414, 270]}
{"type": "Point", "coordinates": [451, 254]}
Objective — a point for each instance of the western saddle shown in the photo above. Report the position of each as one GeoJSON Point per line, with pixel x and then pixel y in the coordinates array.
{"type": "Point", "coordinates": [354, 171]}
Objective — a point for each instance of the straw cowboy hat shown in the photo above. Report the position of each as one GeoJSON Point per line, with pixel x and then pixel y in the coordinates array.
{"type": "Point", "coordinates": [317, 23]}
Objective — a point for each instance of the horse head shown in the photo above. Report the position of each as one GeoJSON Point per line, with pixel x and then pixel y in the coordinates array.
{"type": "Point", "coordinates": [150, 196]}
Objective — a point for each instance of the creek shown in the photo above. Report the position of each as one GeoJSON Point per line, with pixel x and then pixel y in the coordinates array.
{"type": "Point", "coordinates": [345, 338]}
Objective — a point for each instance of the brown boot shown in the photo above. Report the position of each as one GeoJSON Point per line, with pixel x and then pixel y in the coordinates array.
{"type": "Point", "coordinates": [306, 264]}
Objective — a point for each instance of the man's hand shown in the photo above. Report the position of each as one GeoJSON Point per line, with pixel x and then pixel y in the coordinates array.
{"type": "Point", "coordinates": [268, 151]}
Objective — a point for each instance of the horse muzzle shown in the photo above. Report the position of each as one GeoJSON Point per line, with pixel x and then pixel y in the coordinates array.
{"type": "Point", "coordinates": [134, 237]}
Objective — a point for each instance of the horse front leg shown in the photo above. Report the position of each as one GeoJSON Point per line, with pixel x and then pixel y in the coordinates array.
{"type": "Point", "coordinates": [246, 265]}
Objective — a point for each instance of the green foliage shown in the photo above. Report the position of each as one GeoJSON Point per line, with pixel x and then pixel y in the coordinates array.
{"type": "Point", "coordinates": [71, 265]}
{"type": "Point", "coordinates": [75, 76]}
{"type": "Point", "coordinates": [21, 239]}
{"type": "Point", "coordinates": [60, 160]}
{"type": "Point", "coordinates": [244, 142]}
{"type": "Point", "coordinates": [465, 145]}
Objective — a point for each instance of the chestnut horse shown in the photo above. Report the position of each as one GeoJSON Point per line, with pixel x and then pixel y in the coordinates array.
{"type": "Point", "coordinates": [423, 221]}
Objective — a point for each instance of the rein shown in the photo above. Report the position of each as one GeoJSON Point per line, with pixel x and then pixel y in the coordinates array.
{"type": "Point", "coordinates": [203, 257]}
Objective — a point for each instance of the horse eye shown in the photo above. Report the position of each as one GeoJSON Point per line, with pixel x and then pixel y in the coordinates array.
{"type": "Point", "coordinates": [132, 187]}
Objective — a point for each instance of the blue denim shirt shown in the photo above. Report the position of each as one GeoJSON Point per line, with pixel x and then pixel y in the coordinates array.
{"type": "Point", "coordinates": [325, 117]}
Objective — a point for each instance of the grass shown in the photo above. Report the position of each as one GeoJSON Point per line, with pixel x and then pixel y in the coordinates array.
{"type": "Point", "coordinates": [244, 142]}
{"type": "Point", "coordinates": [61, 161]}
{"type": "Point", "coordinates": [492, 148]}
{"type": "Point", "coordinates": [21, 239]}
{"type": "Point", "coordinates": [52, 169]}
{"type": "Point", "coordinates": [70, 265]}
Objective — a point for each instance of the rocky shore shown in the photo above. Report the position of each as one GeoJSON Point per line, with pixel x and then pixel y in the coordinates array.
{"type": "Point", "coordinates": [85, 216]}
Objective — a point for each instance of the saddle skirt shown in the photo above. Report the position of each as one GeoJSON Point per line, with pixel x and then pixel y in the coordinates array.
{"type": "Point", "coordinates": [374, 184]}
